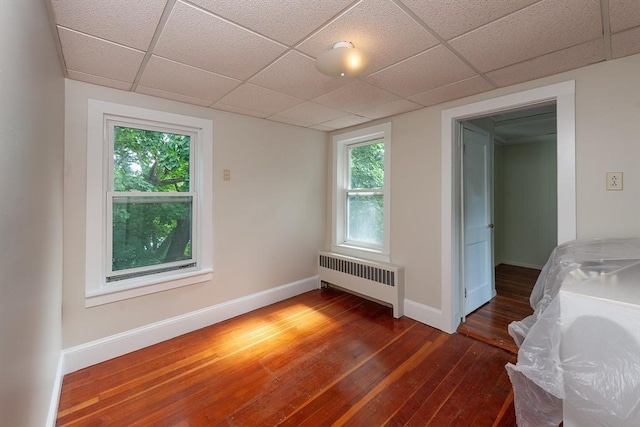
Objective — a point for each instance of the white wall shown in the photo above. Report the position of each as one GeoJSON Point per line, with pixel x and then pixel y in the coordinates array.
{"type": "Point", "coordinates": [31, 192]}
{"type": "Point", "coordinates": [268, 220]}
{"type": "Point", "coordinates": [526, 231]}
{"type": "Point", "coordinates": [607, 139]}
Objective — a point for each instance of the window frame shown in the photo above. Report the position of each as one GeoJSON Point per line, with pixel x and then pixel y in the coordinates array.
{"type": "Point", "coordinates": [341, 177]}
{"type": "Point", "coordinates": [100, 120]}
{"type": "Point", "coordinates": [111, 123]}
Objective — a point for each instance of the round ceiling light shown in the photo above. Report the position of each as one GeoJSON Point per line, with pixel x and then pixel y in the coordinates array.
{"type": "Point", "coordinates": [343, 60]}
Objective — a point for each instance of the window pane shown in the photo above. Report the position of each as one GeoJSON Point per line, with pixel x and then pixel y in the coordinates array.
{"type": "Point", "coordinates": [365, 218]}
{"type": "Point", "coordinates": [150, 231]}
{"type": "Point", "coordinates": [366, 166]}
{"type": "Point", "coordinates": [145, 160]}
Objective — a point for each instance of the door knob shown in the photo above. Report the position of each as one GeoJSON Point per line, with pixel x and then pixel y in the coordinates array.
{"type": "Point", "coordinates": [490, 225]}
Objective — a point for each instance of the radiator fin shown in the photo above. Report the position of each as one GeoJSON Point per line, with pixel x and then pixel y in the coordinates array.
{"type": "Point", "coordinates": [376, 274]}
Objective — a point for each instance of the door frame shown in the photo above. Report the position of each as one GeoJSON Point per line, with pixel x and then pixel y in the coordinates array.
{"type": "Point", "coordinates": [563, 94]}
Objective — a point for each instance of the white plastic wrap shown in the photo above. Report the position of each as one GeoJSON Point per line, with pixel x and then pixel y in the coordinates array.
{"type": "Point", "coordinates": [579, 357]}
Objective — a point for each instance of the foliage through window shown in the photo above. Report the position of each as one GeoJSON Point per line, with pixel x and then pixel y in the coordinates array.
{"type": "Point", "coordinates": [365, 201]}
{"type": "Point", "coordinates": [151, 202]}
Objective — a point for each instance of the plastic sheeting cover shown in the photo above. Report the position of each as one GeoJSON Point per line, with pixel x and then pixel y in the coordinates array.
{"type": "Point", "coordinates": [602, 379]}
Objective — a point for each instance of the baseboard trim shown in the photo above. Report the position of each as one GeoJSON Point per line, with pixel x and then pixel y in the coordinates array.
{"type": "Point", "coordinates": [88, 354]}
{"type": "Point", "coordinates": [521, 264]}
{"type": "Point", "coordinates": [55, 393]}
{"type": "Point", "coordinates": [426, 314]}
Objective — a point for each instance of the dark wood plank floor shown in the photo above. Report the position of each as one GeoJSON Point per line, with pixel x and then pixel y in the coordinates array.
{"type": "Point", "coordinates": [489, 323]}
{"type": "Point", "coordinates": [322, 358]}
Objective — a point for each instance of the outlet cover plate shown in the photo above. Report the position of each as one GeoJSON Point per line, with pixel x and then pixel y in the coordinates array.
{"type": "Point", "coordinates": [614, 181]}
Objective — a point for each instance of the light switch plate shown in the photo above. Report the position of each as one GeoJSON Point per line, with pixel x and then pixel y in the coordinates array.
{"type": "Point", "coordinates": [614, 181]}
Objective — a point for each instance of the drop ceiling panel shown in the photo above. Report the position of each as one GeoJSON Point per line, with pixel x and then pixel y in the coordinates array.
{"type": "Point", "coordinates": [378, 27]}
{"type": "Point", "coordinates": [355, 97]}
{"type": "Point", "coordinates": [344, 122]}
{"type": "Point", "coordinates": [259, 99]}
{"type": "Point", "coordinates": [439, 63]}
{"type": "Point", "coordinates": [625, 43]}
{"type": "Point", "coordinates": [302, 79]}
{"type": "Point", "coordinates": [182, 79]}
{"type": "Point", "coordinates": [239, 110]}
{"type": "Point", "coordinates": [453, 18]}
{"type": "Point", "coordinates": [130, 23]}
{"type": "Point", "coordinates": [285, 21]}
{"type": "Point", "coordinates": [455, 90]}
{"type": "Point", "coordinates": [91, 55]}
{"type": "Point", "coordinates": [544, 27]}
{"type": "Point", "coordinates": [100, 81]}
{"type": "Point", "coordinates": [172, 96]}
{"type": "Point", "coordinates": [310, 113]}
{"type": "Point", "coordinates": [624, 14]}
{"type": "Point", "coordinates": [390, 109]}
{"type": "Point", "coordinates": [556, 62]}
{"type": "Point", "coordinates": [202, 40]}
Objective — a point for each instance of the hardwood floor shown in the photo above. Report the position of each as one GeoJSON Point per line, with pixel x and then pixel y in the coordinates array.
{"type": "Point", "coordinates": [489, 323]}
{"type": "Point", "coordinates": [322, 358]}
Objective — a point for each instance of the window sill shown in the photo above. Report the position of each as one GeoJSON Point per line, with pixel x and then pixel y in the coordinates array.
{"type": "Point", "coordinates": [144, 286]}
{"type": "Point", "coordinates": [363, 253]}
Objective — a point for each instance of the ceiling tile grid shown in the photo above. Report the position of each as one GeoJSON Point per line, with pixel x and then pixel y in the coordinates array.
{"type": "Point", "coordinates": [552, 63]}
{"type": "Point", "coordinates": [200, 39]}
{"type": "Point", "coordinates": [404, 78]}
{"type": "Point", "coordinates": [257, 58]}
{"type": "Point", "coordinates": [544, 27]}
{"type": "Point", "coordinates": [262, 100]}
{"type": "Point", "coordinates": [286, 21]}
{"type": "Point", "coordinates": [310, 113]}
{"type": "Point", "coordinates": [460, 89]}
{"type": "Point", "coordinates": [170, 76]}
{"type": "Point", "coordinates": [453, 18]}
{"type": "Point", "coordinates": [355, 97]}
{"type": "Point", "coordinates": [375, 26]}
{"type": "Point", "coordinates": [98, 57]}
{"type": "Point", "coordinates": [130, 23]}
{"type": "Point", "coordinates": [624, 14]}
{"type": "Point", "coordinates": [302, 79]}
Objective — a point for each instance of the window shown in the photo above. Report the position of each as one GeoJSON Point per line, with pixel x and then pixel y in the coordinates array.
{"type": "Point", "coordinates": [148, 202]}
{"type": "Point", "coordinates": [361, 192]}
{"type": "Point", "coordinates": [150, 205]}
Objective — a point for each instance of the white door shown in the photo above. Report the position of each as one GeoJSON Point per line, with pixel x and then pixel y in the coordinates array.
{"type": "Point", "coordinates": [477, 238]}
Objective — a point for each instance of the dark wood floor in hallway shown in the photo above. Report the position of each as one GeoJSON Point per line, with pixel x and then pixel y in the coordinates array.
{"type": "Point", "coordinates": [322, 358]}
{"type": "Point", "coordinates": [489, 323]}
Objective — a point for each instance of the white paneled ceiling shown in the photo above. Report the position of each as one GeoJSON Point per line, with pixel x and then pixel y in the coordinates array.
{"type": "Point", "coordinates": [256, 57]}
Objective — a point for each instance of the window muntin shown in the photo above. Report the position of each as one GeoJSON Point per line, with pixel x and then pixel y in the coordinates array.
{"type": "Point", "coordinates": [150, 210]}
{"type": "Point", "coordinates": [365, 194]}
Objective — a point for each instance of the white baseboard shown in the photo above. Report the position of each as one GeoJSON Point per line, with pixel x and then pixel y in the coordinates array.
{"type": "Point", "coordinates": [426, 314]}
{"type": "Point", "coordinates": [88, 354]}
{"type": "Point", "coordinates": [55, 393]}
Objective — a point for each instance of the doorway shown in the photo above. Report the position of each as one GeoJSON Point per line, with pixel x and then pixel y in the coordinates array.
{"type": "Point", "coordinates": [563, 94]}
{"type": "Point", "coordinates": [509, 206]}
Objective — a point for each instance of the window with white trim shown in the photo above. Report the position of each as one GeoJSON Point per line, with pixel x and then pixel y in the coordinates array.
{"type": "Point", "coordinates": [361, 195]}
{"type": "Point", "coordinates": [149, 201]}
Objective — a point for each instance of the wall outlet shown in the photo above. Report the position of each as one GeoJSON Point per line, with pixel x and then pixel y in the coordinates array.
{"type": "Point", "coordinates": [614, 181]}
{"type": "Point", "coordinates": [226, 175]}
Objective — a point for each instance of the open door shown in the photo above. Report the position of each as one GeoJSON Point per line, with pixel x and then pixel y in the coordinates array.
{"type": "Point", "coordinates": [477, 227]}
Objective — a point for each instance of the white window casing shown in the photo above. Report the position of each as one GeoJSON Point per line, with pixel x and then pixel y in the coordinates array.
{"type": "Point", "coordinates": [341, 143]}
{"type": "Point", "coordinates": [101, 118]}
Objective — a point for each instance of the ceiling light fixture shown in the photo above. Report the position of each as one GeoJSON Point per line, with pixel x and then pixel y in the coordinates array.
{"type": "Point", "coordinates": [343, 60]}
